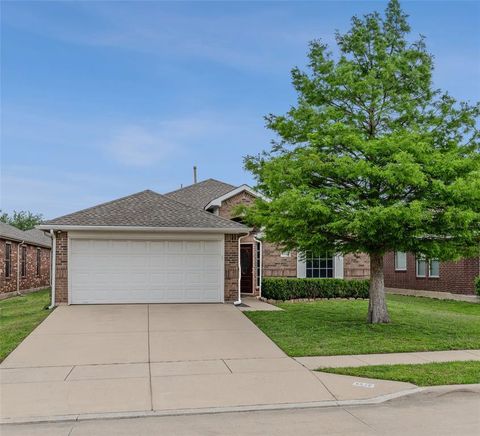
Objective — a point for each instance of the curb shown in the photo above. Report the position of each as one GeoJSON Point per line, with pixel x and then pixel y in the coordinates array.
{"type": "Point", "coordinates": [210, 410]}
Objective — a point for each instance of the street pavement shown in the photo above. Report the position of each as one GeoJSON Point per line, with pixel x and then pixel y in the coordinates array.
{"type": "Point", "coordinates": [452, 411]}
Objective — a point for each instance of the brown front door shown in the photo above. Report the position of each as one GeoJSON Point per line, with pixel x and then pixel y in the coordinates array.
{"type": "Point", "coordinates": [246, 264]}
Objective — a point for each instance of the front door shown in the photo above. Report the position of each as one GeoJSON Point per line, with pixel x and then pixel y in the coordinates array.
{"type": "Point", "coordinates": [246, 264]}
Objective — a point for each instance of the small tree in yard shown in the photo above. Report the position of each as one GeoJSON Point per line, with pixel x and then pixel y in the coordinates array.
{"type": "Point", "coordinates": [23, 220]}
{"type": "Point", "coordinates": [372, 158]}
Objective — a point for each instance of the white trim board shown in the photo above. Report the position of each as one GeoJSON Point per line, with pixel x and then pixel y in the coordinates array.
{"type": "Point", "coordinates": [217, 202]}
{"type": "Point", "coordinates": [69, 228]}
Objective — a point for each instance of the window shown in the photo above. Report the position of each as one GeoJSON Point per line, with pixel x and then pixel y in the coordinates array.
{"type": "Point", "coordinates": [285, 254]}
{"type": "Point", "coordinates": [400, 261]}
{"type": "Point", "coordinates": [23, 262]}
{"type": "Point", "coordinates": [434, 268]}
{"type": "Point", "coordinates": [8, 260]}
{"type": "Point", "coordinates": [39, 261]}
{"type": "Point", "coordinates": [321, 267]}
{"type": "Point", "coordinates": [421, 267]}
{"type": "Point", "coordinates": [258, 263]}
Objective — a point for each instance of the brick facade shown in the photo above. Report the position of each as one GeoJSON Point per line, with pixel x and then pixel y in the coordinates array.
{"type": "Point", "coordinates": [231, 268]}
{"type": "Point", "coordinates": [455, 277]}
{"type": "Point", "coordinates": [61, 268]}
{"type": "Point", "coordinates": [274, 265]}
{"type": "Point", "coordinates": [31, 280]}
{"type": "Point", "coordinates": [356, 266]}
{"type": "Point", "coordinates": [227, 209]}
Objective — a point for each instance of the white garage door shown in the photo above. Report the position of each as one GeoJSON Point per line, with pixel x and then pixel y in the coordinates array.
{"type": "Point", "coordinates": [138, 271]}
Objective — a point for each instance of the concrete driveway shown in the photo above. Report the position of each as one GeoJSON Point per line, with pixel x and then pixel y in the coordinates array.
{"type": "Point", "coordinates": [143, 358]}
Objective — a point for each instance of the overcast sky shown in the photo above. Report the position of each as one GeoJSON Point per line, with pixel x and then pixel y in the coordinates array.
{"type": "Point", "coordinates": [100, 100]}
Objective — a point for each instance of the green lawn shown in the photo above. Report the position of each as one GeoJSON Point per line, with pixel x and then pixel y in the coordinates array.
{"type": "Point", "coordinates": [427, 374]}
{"type": "Point", "coordinates": [330, 327]}
{"type": "Point", "coordinates": [18, 317]}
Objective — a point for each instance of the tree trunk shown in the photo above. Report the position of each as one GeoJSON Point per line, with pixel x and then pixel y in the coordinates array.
{"type": "Point", "coordinates": [377, 306]}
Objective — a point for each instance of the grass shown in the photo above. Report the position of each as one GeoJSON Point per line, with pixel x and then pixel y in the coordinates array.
{"type": "Point", "coordinates": [426, 374]}
{"type": "Point", "coordinates": [331, 327]}
{"type": "Point", "coordinates": [19, 316]}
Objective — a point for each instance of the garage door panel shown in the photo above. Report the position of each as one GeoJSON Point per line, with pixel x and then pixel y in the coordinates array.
{"type": "Point", "coordinates": [210, 262]}
{"type": "Point", "coordinates": [174, 246]}
{"type": "Point", "coordinates": [157, 247]}
{"type": "Point", "coordinates": [212, 247]}
{"type": "Point", "coordinates": [129, 271]}
{"type": "Point", "coordinates": [193, 261]}
{"type": "Point", "coordinates": [194, 247]}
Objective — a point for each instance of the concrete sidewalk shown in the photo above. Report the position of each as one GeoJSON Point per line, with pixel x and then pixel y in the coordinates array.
{"type": "Point", "coordinates": [315, 362]}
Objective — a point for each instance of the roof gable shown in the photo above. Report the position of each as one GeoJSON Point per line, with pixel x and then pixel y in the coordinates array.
{"type": "Point", "coordinates": [217, 202]}
{"type": "Point", "coordinates": [200, 194]}
{"type": "Point", "coordinates": [33, 237]}
{"type": "Point", "coordinates": [145, 209]}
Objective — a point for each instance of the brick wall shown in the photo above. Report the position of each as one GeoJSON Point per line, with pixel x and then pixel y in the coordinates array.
{"type": "Point", "coordinates": [455, 277]}
{"type": "Point", "coordinates": [274, 265]}
{"type": "Point", "coordinates": [226, 210]}
{"type": "Point", "coordinates": [231, 268]}
{"type": "Point", "coordinates": [356, 266]}
{"type": "Point", "coordinates": [61, 270]}
{"type": "Point", "coordinates": [31, 279]}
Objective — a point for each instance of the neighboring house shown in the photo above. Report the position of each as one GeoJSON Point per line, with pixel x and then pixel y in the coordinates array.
{"type": "Point", "coordinates": [24, 259]}
{"type": "Point", "coordinates": [184, 246]}
{"type": "Point", "coordinates": [407, 271]}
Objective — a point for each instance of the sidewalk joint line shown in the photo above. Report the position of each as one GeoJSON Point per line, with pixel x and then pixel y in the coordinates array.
{"type": "Point", "coordinates": [69, 372]}
{"type": "Point", "coordinates": [319, 380]}
{"type": "Point", "coordinates": [223, 360]}
{"type": "Point", "coordinates": [358, 419]}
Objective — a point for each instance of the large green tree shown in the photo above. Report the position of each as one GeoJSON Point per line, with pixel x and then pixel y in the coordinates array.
{"type": "Point", "coordinates": [372, 158]}
{"type": "Point", "coordinates": [24, 220]}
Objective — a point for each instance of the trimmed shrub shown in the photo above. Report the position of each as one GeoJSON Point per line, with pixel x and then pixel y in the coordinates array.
{"type": "Point", "coordinates": [477, 286]}
{"type": "Point", "coordinates": [280, 288]}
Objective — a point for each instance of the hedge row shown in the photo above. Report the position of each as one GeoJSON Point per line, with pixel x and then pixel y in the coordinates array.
{"type": "Point", "coordinates": [477, 286]}
{"type": "Point", "coordinates": [275, 288]}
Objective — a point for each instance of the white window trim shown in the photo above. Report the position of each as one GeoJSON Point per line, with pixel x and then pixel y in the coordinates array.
{"type": "Point", "coordinates": [434, 276]}
{"type": "Point", "coordinates": [302, 266]}
{"type": "Point", "coordinates": [420, 259]}
{"type": "Point", "coordinates": [397, 268]}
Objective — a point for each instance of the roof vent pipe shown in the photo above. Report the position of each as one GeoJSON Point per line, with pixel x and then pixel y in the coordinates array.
{"type": "Point", "coordinates": [194, 174]}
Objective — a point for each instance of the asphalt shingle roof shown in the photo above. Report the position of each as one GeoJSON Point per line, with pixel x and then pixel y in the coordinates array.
{"type": "Point", "coordinates": [146, 209]}
{"type": "Point", "coordinates": [34, 236]}
{"type": "Point", "coordinates": [201, 193]}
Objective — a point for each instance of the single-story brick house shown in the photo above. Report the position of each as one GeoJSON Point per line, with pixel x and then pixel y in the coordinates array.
{"type": "Point", "coordinates": [24, 260]}
{"type": "Point", "coordinates": [407, 271]}
{"type": "Point", "coordinates": [183, 246]}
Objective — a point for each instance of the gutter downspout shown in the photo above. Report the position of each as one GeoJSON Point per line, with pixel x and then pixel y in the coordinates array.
{"type": "Point", "coordinates": [261, 267]}
{"type": "Point", "coordinates": [53, 257]}
{"type": "Point", "coordinates": [19, 246]}
{"type": "Point", "coordinates": [239, 301]}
